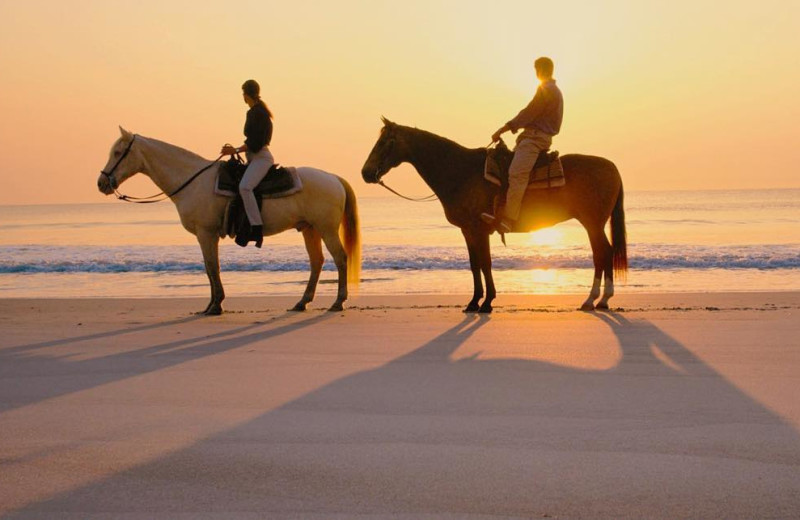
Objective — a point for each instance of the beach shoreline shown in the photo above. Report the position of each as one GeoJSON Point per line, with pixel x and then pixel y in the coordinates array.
{"type": "Point", "coordinates": [670, 405]}
{"type": "Point", "coordinates": [514, 302]}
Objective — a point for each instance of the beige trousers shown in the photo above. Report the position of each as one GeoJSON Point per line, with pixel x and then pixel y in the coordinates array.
{"type": "Point", "coordinates": [525, 154]}
{"type": "Point", "coordinates": [259, 165]}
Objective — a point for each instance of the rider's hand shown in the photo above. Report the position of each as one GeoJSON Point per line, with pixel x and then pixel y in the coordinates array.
{"type": "Point", "coordinates": [228, 150]}
{"type": "Point", "coordinates": [496, 136]}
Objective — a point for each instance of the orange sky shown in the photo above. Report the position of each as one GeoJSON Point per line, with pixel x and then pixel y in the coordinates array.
{"type": "Point", "coordinates": [681, 95]}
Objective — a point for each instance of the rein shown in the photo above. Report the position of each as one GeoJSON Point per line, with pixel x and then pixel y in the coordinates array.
{"type": "Point", "coordinates": [152, 198]}
{"type": "Point", "coordinates": [430, 198]}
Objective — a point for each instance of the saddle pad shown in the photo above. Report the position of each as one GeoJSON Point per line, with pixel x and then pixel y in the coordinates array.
{"type": "Point", "coordinates": [548, 176]}
{"type": "Point", "coordinates": [224, 187]}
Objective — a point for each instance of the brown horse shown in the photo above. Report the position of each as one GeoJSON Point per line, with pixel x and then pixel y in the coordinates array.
{"type": "Point", "coordinates": [592, 194]}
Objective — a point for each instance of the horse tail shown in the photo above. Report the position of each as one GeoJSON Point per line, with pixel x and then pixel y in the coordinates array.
{"type": "Point", "coordinates": [619, 236]}
{"type": "Point", "coordinates": [351, 234]}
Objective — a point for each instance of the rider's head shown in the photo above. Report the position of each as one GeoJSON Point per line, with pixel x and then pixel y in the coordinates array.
{"type": "Point", "coordinates": [252, 94]}
{"type": "Point", "coordinates": [544, 68]}
{"type": "Point", "coordinates": [251, 89]}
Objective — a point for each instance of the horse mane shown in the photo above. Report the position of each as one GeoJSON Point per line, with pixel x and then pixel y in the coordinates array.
{"type": "Point", "coordinates": [442, 143]}
{"type": "Point", "coordinates": [189, 154]}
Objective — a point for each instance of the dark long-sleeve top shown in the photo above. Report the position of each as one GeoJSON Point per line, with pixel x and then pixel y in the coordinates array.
{"type": "Point", "coordinates": [543, 113]}
{"type": "Point", "coordinates": [257, 128]}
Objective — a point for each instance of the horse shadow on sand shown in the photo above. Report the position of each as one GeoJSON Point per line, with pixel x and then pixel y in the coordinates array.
{"type": "Point", "coordinates": [431, 435]}
{"type": "Point", "coordinates": [73, 375]}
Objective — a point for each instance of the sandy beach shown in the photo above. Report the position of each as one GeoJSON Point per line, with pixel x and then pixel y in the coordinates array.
{"type": "Point", "coordinates": [671, 406]}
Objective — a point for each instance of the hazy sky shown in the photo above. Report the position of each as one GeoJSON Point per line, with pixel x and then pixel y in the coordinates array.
{"type": "Point", "coordinates": [679, 94]}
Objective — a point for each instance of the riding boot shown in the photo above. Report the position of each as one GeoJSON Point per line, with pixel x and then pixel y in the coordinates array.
{"type": "Point", "coordinates": [242, 240]}
{"type": "Point", "coordinates": [257, 235]}
{"type": "Point", "coordinates": [499, 220]}
{"type": "Point", "coordinates": [254, 234]}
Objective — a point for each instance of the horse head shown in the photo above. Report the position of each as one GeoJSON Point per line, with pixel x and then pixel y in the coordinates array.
{"type": "Point", "coordinates": [389, 151]}
{"type": "Point", "coordinates": [123, 162]}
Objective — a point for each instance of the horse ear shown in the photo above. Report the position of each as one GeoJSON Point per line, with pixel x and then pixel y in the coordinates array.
{"type": "Point", "coordinates": [125, 133]}
{"type": "Point", "coordinates": [386, 122]}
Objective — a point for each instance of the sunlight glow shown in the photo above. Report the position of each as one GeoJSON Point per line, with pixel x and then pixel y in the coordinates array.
{"type": "Point", "coordinates": [604, 354]}
{"type": "Point", "coordinates": [546, 237]}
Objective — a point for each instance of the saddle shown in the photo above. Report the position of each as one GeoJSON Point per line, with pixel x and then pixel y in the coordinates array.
{"type": "Point", "coordinates": [278, 182]}
{"type": "Point", "coordinates": [546, 173]}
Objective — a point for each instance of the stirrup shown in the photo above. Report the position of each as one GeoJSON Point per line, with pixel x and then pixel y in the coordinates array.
{"type": "Point", "coordinates": [488, 218]}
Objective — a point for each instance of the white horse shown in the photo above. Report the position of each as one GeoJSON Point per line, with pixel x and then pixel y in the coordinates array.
{"type": "Point", "coordinates": [325, 204]}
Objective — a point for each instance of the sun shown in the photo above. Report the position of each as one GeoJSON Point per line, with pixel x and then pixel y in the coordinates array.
{"type": "Point", "coordinates": [545, 237]}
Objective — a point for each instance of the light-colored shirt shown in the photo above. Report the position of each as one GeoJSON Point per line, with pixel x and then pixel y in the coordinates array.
{"type": "Point", "coordinates": [544, 113]}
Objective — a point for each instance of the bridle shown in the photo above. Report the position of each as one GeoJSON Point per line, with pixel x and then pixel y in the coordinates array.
{"type": "Point", "coordinates": [152, 198]}
{"type": "Point", "coordinates": [430, 198]}
{"type": "Point", "coordinates": [110, 175]}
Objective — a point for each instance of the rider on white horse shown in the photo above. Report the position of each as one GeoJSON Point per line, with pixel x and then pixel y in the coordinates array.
{"type": "Point", "coordinates": [258, 134]}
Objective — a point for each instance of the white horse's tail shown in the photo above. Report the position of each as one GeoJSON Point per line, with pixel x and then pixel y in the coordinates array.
{"type": "Point", "coordinates": [351, 235]}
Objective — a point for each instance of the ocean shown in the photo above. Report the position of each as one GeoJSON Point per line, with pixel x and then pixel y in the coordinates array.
{"type": "Point", "coordinates": [678, 241]}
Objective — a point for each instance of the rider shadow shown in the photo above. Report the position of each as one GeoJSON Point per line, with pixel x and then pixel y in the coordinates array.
{"type": "Point", "coordinates": [77, 375]}
{"type": "Point", "coordinates": [428, 433]}
{"type": "Point", "coordinates": [683, 391]}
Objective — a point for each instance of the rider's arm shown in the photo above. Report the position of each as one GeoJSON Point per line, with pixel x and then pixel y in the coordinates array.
{"type": "Point", "coordinates": [524, 117]}
{"type": "Point", "coordinates": [529, 114]}
{"type": "Point", "coordinates": [503, 129]}
{"type": "Point", "coordinates": [228, 149]}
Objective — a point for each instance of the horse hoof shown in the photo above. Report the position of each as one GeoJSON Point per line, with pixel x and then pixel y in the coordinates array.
{"type": "Point", "coordinates": [299, 307]}
{"type": "Point", "coordinates": [472, 307]}
{"type": "Point", "coordinates": [587, 307]}
{"type": "Point", "coordinates": [485, 309]}
{"type": "Point", "coordinates": [602, 306]}
{"type": "Point", "coordinates": [213, 310]}
{"type": "Point", "coordinates": [336, 307]}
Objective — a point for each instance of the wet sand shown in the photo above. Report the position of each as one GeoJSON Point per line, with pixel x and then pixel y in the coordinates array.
{"type": "Point", "coordinates": [670, 406]}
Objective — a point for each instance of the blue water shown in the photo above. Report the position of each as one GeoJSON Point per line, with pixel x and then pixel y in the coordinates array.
{"type": "Point", "coordinates": [280, 258]}
{"type": "Point", "coordinates": [678, 241]}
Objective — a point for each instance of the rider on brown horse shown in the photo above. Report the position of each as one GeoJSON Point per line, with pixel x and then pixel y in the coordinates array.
{"type": "Point", "coordinates": [540, 121]}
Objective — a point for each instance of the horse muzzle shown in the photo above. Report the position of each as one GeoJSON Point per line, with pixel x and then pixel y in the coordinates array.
{"type": "Point", "coordinates": [372, 175]}
{"type": "Point", "coordinates": [106, 183]}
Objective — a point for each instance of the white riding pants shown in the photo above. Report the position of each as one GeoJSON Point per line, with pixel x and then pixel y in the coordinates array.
{"type": "Point", "coordinates": [257, 167]}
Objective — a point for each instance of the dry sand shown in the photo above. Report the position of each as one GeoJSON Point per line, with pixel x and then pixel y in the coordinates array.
{"type": "Point", "coordinates": [673, 406]}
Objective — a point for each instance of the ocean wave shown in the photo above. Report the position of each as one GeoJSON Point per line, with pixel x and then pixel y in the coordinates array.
{"type": "Point", "coordinates": [186, 259]}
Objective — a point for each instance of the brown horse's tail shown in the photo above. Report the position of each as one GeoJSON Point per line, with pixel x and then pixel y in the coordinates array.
{"type": "Point", "coordinates": [619, 240]}
{"type": "Point", "coordinates": [351, 235]}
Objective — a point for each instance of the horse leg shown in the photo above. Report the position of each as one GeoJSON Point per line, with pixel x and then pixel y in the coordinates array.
{"type": "Point", "coordinates": [598, 258]}
{"type": "Point", "coordinates": [608, 267]}
{"type": "Point", "coordinates": [314, 247]}
{"type": "Point", "coordinates": [477, 283]}
{"type": "Point", "coordinates": [588, 305]}
{"type": "Point", "coordinates": [209, 245]}
{"type": "Point", "coordinates": [334, 245]}
{"type": "Point", "coordinates": [485, 261]}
